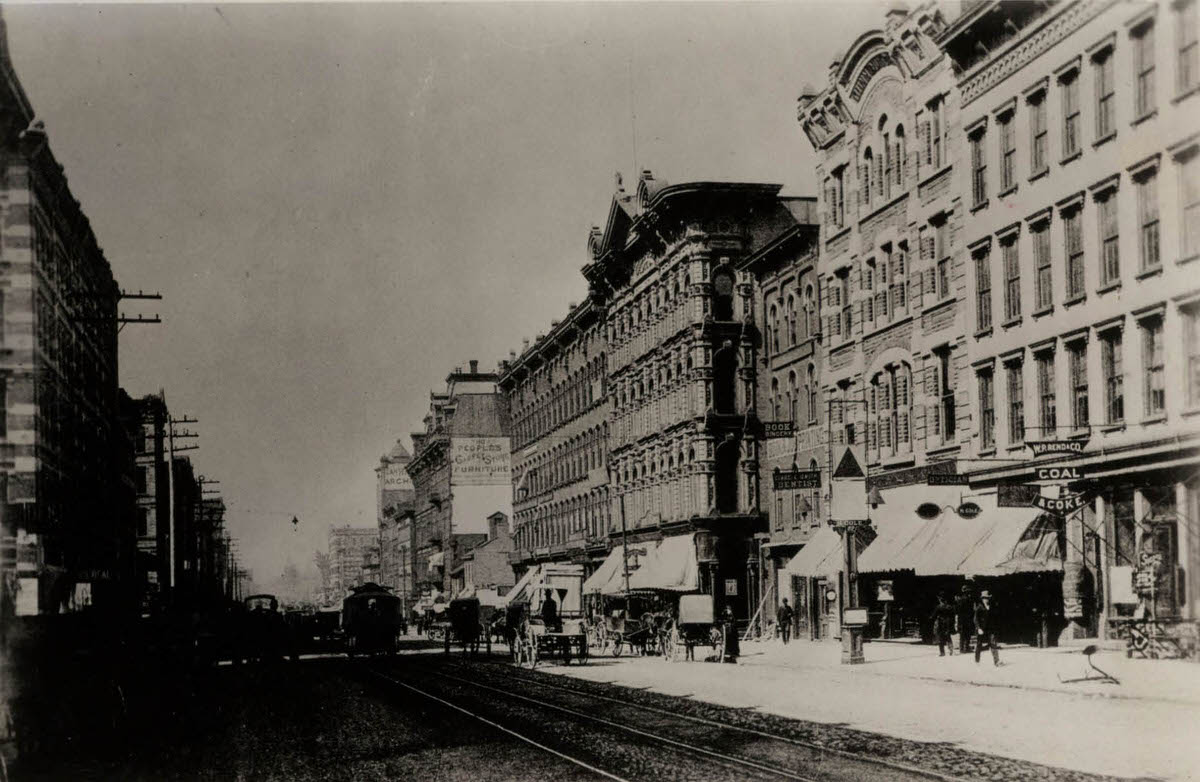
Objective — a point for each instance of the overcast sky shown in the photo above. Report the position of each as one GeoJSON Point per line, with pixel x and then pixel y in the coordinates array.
{"type": "Point", "coordinates": [342, 203]}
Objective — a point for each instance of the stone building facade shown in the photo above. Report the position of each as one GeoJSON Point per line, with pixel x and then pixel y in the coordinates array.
{"type": "Point", "coordinates": [682, 362]}
{"type": "Point", "coordinates": [1009, 206]}
{"type": "Point", "coordinates": [1080, 165]}
{"type": "Point", "coordinates": [557, 398]}
{"type": "Point", "coordinates": [352, 552]}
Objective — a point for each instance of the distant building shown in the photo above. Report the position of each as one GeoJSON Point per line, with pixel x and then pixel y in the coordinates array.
{"type": "Point", "coordinates": [461, 474]}
{"type": "Point", "coordinates": [395, 500]}
{"type": "Point", "coordinates": [485, 570]}
{"type": "Point", "coordinates": [353, 555]}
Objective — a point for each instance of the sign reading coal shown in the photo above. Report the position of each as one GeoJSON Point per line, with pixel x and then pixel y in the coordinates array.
{"type": "Point", "coordinates": [1059, 473]}
{"type": "Point", "coordinates": [797, 479]}
{"type": "Point", "coordinates": [1043, 447]}
{"type": "Point", "coordinates": [773, 429]}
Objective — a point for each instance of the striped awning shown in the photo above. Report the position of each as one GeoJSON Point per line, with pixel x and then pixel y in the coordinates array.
{"type": "Point", "coordinates": [821, 555]}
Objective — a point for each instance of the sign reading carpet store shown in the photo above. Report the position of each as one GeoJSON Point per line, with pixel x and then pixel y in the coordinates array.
{"type": "Point", "coordinates": [480, 461]}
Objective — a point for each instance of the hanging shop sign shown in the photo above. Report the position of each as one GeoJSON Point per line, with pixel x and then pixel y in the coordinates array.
{"type": "Point", "coordinates": [883, 591]}
{"type": "Point", "coordinates": [929, 510]}
{"type": "Point", "coordinates": [772, 429]}
{"type": "Point", "coordinates": [946, 479]}
{"type": "Point", "coordinates": [1060, 505]}
{"type": "Point", "coordinates": [731, 587]}
{"type": "Point", "coordinates": [1043, 447]}
{"type": "Point", "coordinates": [1060, 473]}
{"type": "Point", "coordinates": [1016, 495]}
{"type": "Point", "coordinates": [797, 479]}
{"type": "Point", "coordinates": [968, 510]}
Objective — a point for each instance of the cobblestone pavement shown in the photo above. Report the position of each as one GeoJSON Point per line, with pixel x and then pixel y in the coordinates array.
{"type": "Point", "coordinates": [940, 758]}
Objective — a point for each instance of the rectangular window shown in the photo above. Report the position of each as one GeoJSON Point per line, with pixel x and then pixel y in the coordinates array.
{"type": "Point", "coordinates": [1008, 153]}
{"type": "Point", "coordinates": [1047, 410]}
{"type": "Point", "coordinates": [1016, 402]}
{"type": "Point", "coordinates": [1152, 363]}
{"type": "Point", "coordinates": [1070, 106]}
{"type": "Point", "coordinates": [140, 480]}
{"type": "Point", "coordinates": [1038, 154]}
{"type": "Point", "coordinates": [3, 408]}
{"type": "Point", "coordinates": [1114, 376]}
{"type": "Point", "coordinates": [946, 396]}
{"type": "Point", "coordinates": [1143, 63]}
{"type": "Point", "coordinates": [987, 412]}
{"type": "Point", "coordinates": [1106, 122]}
{"type": "Point", "coordinates": [1012, 279]}
{"type": "Point", "coordinates": [1073, 228]}
{"type": "Point", "coordinates": [1189, 183]}
{"type": "Point", "coordinates": [838, 197]}
{"type": "Point", "coordinates": [983, 290]}
{"type": "Point", "coordinates": [1191, 348]}
{"type": "Point", "coordinates": [979, 167]}
{"type": "Point", "coordinates": [1077, 355]}
{"type": "Point", "coordinates": [1148, 219]}
{"type": "Point", "coordinates": [1043, 281]}
{"type": "Point", "coordinates": [1187, 62]}
{"type": "Point", "coordinates": [933, 138]}
{"type": "Point", "coordinates": [941, 251]}
{"type": "Point", "coordinates": [1110, 254]}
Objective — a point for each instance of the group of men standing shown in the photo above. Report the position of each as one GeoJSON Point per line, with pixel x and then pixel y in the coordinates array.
{"type": "Point", "coordinates": [974, 617]}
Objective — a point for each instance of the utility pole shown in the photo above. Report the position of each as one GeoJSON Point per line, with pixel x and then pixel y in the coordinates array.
{"type": "Point", "coordinates": [625, 552]}
{"type": "Point", "coordinates": [171, 450]}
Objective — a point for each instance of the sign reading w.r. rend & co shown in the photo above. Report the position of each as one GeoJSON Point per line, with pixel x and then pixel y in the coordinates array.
{"type": "Point", "coordinates": [773, 429]}
{"type": "Point", "coordinates": [1042, 447]}
{"type": "Point", "coordinates": [797, 479]}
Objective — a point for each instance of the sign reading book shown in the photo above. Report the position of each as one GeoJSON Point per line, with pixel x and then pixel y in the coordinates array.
{"type": "Point", "coordinates": [774, 429]}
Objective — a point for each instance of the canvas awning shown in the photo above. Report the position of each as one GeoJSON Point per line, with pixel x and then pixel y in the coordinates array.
{"type": "Point", "coordinates": [894, 534]}
{"type": "Point", "coordinates": [523, 587]}
{"type": "Point", "coordinates": [1017, 544]}
{"type": "Point", "coordinates": [612, 567]}
{"type": "Point", "coordinates": [821, 555]}
{"type": "Point", "coordinates": [670, 566]}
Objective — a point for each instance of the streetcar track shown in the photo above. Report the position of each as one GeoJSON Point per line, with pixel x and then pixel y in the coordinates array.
{"type": "Point", "coordinates": [725, 759]}
{"type": "Point", "coordinates": [582, 764]}
{"type": "Point", "coordinates": [887, 764]}
{"type": "Point", "coordinates": [730, 761]}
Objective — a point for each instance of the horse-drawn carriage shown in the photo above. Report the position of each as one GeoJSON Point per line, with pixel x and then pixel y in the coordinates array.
{"type": "Point", "coordinates": [694, 627]}
{"type": "Point", "coordinates": [539, 637]}
{"type": "Point", "coordinates": [468, 622]}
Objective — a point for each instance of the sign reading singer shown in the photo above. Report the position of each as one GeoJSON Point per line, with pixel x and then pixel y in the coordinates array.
{"type": "Point", "coordinates": [773, 429]}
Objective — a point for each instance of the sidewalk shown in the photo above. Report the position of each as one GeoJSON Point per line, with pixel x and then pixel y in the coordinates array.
{"type": "Point", "coordinates": [1144, 727]}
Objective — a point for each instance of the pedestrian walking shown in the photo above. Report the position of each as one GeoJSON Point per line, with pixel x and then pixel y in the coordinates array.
{"type": "Point", "coordinates": [732, 648]}
{"type": "Point", "coordinates": [964, 609]}
{"type": "Point", "coordinates": [943, 625]}
{"type": "Point", "coordinates": [783, 618]}
{"type": "Point", "coordinates": [986, 627]}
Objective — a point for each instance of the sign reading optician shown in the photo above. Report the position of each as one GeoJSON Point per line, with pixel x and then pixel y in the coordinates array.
{"type": "Point", "coordinates": [480, 461]}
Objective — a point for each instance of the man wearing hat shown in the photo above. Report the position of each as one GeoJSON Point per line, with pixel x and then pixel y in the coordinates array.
{"type": "Point", "coordinates": [964, 610]}
{"type": "Point", "coordinates": [986, 627]}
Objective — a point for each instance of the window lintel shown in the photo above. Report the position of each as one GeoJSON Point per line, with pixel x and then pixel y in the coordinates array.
{"type": "Point", "coordinates": [1040, 216]}
{"type": "Point", "coordinates": [1037, 89]}
{"type": "Point", "coordinates": [1008, 232]}
{"type": "Point", "coordinates": [1145, 165]}
{"type": "Point", "coordinates": [1068, 69]}
{"type": "Point", "coordinates": [1071, 202]}
{"type": "Point", "coordinates": [1105, 185]}
{"type": "Point", "coordinates": [1102, 47]}
{"type": "Point", "coordinates": [1005, 108]}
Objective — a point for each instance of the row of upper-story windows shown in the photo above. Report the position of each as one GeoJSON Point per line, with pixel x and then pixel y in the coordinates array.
{"type": "Point", "coordinates": [665, 295]}
{"type": "Point", "coordinates": [1070, 103]}
{"type": "Point", "coordinates": [792, 318]}
{"type": "Point", "coordinates": [586, 516]}
{"type": "Point", "coordinates": [1058, 250]}
{"type": "Point", "coordinates": [1086, 405]}
{"type": "Point", "coordinates": [566, 462]}
{"type": "Point", "coordinates": [667, 461]}
{"type": "Point", "coordinates": [636, 388]}
{"type": "Point", "coordinates": [795, 398]}
{"type": "Point", "coordinates": [564, 401]}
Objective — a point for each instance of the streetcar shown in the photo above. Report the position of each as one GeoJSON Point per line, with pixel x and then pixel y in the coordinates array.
{"type": "Point", "coordinates": [371, 620]}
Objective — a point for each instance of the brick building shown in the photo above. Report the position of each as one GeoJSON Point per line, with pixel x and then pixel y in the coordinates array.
{"type": "Point", "coordinates": [558, 403]}
{"type": "Point", "coordinates": [66, 514]}
{"type": "Point", "coordinates": [353, 555]}
{"type": "Point", "coordinates": [394, 513]}
{"type": "Point", "coordinates": [461, 474]}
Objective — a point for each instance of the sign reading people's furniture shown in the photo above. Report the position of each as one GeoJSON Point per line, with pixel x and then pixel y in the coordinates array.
{"type": "Point", "coordinates": [480, 461]}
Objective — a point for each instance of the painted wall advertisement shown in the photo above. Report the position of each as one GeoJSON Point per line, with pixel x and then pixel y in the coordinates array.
{"type": "Point", "coordinates": [480, 461]}
{"type": "Point", "coordinates": [395, 478]}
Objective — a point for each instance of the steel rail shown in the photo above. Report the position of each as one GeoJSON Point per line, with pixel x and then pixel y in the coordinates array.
{"type": "Point", "coordinates": [729, 760]}
{"type": "Point", "coordinates": [888, 764]}
{"type": "Point", "coordinates": [497, 726]}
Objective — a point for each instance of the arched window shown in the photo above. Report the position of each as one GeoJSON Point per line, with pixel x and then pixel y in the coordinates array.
{"type": "Point", "coordinates": [866, 171]}
{"type": "Point", "coordinates": [793, 398]}
{"type": "Point", "coordinates": [810, 309]}
{"type": "Point", "coordinates": [773, 331]}
{"type": "Point", "coordinates": [883, 178]}
{"type": "Point", "coordinates": [775, 398]}
{"type": "Point", "coordinates": [722, 296]}
{"type": "Point", "coordinates": [810, 383]}
{"type": "Point", "coordinates": [791, 314]}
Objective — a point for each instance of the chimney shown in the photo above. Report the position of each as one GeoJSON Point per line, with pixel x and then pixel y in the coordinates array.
{"type": "Point", "coordinates": [474, 366]}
